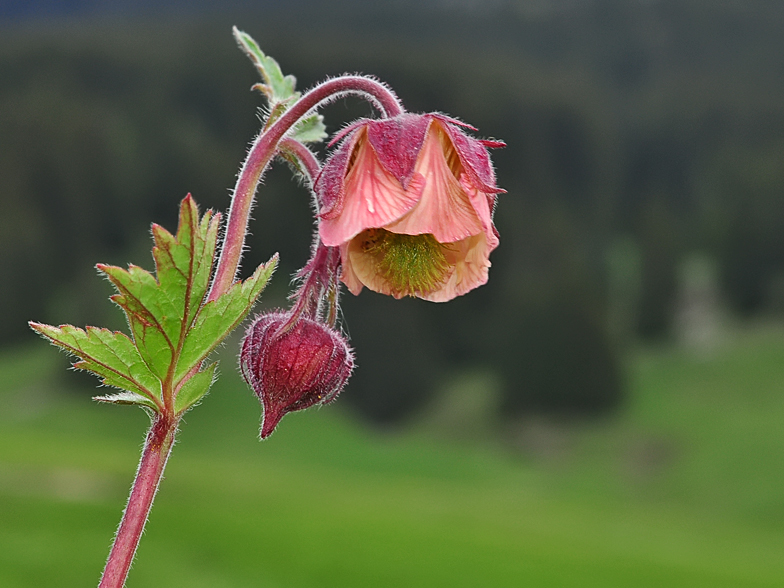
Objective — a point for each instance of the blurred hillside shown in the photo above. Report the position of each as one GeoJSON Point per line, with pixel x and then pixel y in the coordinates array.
{"type": "Point", "coordinates": [683, 489]}
{"type": "Point", "coordinates": [643, 168]}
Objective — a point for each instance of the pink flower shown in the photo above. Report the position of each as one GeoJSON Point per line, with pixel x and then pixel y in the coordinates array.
{"type": "Point", "coordinates": [293, 364]}
{"type": "Point", "coordinates": [409, 201]}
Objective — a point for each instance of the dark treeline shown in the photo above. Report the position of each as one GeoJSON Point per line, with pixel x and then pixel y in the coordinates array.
{"type": "Point", "coordinates": [638, 134]}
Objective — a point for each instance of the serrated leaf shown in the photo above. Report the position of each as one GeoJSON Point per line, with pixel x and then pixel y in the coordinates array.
{"type": "Point", "coordinates": [309, 130]}
{"type": "Point", "coordinates": [127, 398]}
{"type": "Point", "coordinates": [277, 87]}
{"type": "Point", "coordinates": [160, 368]}
{"type": "Point", "coordinates": [161, 308]}
{"type": "Point", "coordinates": [108, 354]}
{"type": "Point", "coordinates": [219, 317]}
{"type": "Point", "coordinates": [194, 389]}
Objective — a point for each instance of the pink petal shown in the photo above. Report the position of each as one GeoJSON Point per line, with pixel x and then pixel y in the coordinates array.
{"type": "Point", "coordinates": [349, 276]}
{"type": "Point", "coordinates": [470, 258]}
{"type": "Point", "coordinates": [444, 209]}
{"type": "Point", "coordinates": [483, 206]}
{"type": "Point", "coordinates": [372, 198]}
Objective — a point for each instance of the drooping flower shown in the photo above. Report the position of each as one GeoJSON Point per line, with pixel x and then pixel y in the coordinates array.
{"type": "Point", "coordinates": [292, 364]}
{"type": "Point", "coordinates": [409, 201]}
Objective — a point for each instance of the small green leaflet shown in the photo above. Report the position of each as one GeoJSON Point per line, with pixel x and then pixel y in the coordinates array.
{"type": "Point", "coordinates": [173, 330]}
{"type": "Point", "coordinates": [280, 91]}
{"type": "Point", "coordinates": [309, 130]}
{"type": "Point", "coordinates": [194, 389]}
{"type": "Point", "coordinates": [277, 87]}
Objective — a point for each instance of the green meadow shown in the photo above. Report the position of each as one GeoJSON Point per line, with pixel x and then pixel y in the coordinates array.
{"type": "Point", "coordinates": [684, 486]}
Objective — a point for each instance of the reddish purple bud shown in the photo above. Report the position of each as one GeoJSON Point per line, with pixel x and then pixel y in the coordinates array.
{"type": "Point", "coordinates": [292, 365]}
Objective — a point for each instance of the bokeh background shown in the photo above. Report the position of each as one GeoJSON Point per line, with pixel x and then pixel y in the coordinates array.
{"type": "Point", "coordinates": [607, 411]}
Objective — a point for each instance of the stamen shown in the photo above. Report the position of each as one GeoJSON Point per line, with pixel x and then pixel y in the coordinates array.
{"type": "Point", "coordinates": [411, 264]}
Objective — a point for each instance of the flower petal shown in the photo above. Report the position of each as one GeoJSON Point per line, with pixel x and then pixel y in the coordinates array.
{"type": "Point", "coordinates": [348, 275]}
{"type": "Point", "coordinates": [444, 209]}
{"type": "Point", "coordinates": [372, 198]}
{"type": "Point", "coordinates": [470, 258]}
{"type": "Point", "coordinates": [483, 206]}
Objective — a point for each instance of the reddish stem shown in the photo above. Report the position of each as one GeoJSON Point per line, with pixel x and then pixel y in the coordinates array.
{"type": "Point", "coordinates": [157, 447]}
{"type": "Point", "coordinates": [263, 150]}
{"type": "Point", "coordinates": [307, 160]}
{"type": "Point", "coordinates": [318, 277]}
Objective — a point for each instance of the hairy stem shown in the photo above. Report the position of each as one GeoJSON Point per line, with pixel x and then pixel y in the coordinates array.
{"type": "Point", "coordinates": [263, 150]}
{"type": "Point", "coordinates": [157, 447]}
{"type": "Point", "coordinates": [319, 277]}
{"type": "Point", "coordinates": [307, 161]}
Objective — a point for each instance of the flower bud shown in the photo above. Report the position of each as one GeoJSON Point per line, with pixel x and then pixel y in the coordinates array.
{"type": "Point", "coordinates": [292, 364]}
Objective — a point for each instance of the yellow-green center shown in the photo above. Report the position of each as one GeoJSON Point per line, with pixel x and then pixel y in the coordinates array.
{"type": "Point", "coordinates": [411, 264]}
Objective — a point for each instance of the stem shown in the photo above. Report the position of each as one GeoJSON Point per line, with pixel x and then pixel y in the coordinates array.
{"type": "Point", "coordinates": [319, 285]}
{"type": "Point", "coordinates": [318, 277]}
{"type": "Point", "coordinates": [310, 165]}
{"type": "Point", "coordinates": [261, 153]}
{"type": "Point", "coordinates": [157, 447]}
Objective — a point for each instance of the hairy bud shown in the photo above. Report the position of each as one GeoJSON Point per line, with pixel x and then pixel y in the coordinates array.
{"type": "Point", "coordinates": [292, 364]}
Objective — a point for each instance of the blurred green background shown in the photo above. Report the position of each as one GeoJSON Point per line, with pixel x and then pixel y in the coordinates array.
{"type": "Point", "coordinates": [607, 411]}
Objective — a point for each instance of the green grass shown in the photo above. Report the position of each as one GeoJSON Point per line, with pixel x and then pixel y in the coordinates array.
{"type": "Point", "coordinates": [684, 487]}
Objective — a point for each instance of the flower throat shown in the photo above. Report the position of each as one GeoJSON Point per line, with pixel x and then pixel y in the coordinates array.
{"type": "Point", "coordinates": [411, 264]}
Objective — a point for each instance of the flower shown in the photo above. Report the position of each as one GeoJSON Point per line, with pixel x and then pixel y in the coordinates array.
{"type": "Point", "coordinates": [293, 363]}
{"type": "Point", "coordinates": [409, 201]}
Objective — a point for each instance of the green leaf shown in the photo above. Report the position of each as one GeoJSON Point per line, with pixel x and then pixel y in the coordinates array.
{"type": "Point", "coordinates": [194, 389]}
{"type": "Point", "coordinates": [127, 398]}
{"type": "Point", "coordinates": [161, 308]}
{"type": "Point", "coordinates": [219, 317]}
{"type": "Point", "coordinates": [173, 329]}
{"type": "Point", "coordinates": [108, 354]}
{"type": "Point", "coordinates": [154, 347]}
{"type": "Point", "coordinates": [309, 130]}
{"type": "Point", "coordinates": [277, 87]}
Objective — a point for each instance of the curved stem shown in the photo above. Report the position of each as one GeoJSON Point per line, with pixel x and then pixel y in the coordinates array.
{"type": "Point", "coordinates": [262, 152]}
{"type": "Point", "coordinates": [307, 160]}
{"type": "Point", "coordinates": [157, 447]}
